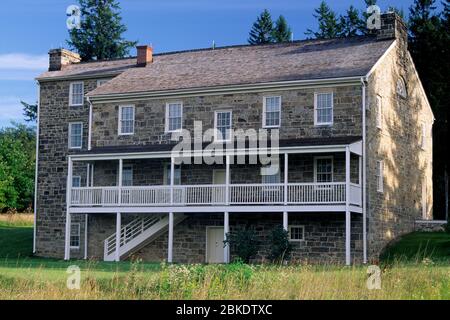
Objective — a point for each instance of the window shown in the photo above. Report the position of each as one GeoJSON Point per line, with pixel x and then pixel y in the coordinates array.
{"type": "Point", "coordinates": [126, 120]}
{"type": "Point", "coordinates": [297, 233]}
{"type": "Point", "coordinates": [222, 124]}
{"type": "Point", "coordinates": [102, 82]}
{"type": "Point", "coordinates": [176, 177]}
{"type": "Point", "coordinates": [174, 116]}
{"type": "Point", "coordinates": [379, 109]}
{"type": "Point", "coordinates": [401, 88]}
{"type": "Point", "coordinates": [423, 142]}
{"type": "Point", "coordinates": [75, 236]}
{"type": "Point", "coordinates": [75, 135]}
{"type": "Point", "coordinates": [127, 175]}
{"type": "Point", "coordinates": [76, 95]}
{"type": "Point", "coordinates": [323, 108]}
{"type": "Point", "coordinates": [323, 169]}
{"type": "Point", "coordinates": [271, 112]}
{"type": "Point", "coordinates": [379, 173]}
{"type": "Point", "coordinates": [270, 178]}
{"type": "Point", "coordinates": [76, 181]}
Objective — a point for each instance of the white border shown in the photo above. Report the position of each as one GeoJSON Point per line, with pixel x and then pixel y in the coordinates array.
{"type": "Point", "coordinates": [71, 104]}
{"type": "Point", "coordinates": [264, 113]}
{"type": "Point", "coordinates": [166, 126]}
{"type": "Point", "coordinates": [215, 124]}
{"type": "Point", "coordinates": [303, 233]}
{"type": "Point", "coordinates": [119, 129]}
{"type": "Point", "coordinates": [317, 124]}
{"type": "Point", "coordinates": [70, 135]}
{"type": "Point", "coordinates": [332, 167]}
{"type": "Point", "coordinates": [79, 235]}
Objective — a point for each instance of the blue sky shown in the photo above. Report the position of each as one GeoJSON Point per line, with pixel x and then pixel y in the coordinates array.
{"type": "Point", "coordinates": [29, 28]}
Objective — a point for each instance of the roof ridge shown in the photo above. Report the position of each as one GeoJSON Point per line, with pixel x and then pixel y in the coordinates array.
{"type": "Point", "coordinates": [285, 43]}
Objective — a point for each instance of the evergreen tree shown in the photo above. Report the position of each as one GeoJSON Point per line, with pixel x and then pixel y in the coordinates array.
{"type": "Point", "coordinates": [351, 23]}
{"type": "Point", "coordinates": [262, 30]}
{"type": "Point", "coordinates": [29, 111]}
{"type": "Point", "coordinates": [281, 31]}
{"type": "Point", "coordinates": [328, 23]}
{"type": "Point", "coordinates": [100, 35]}
{"type": "Point", "coordinates": [429, 46]}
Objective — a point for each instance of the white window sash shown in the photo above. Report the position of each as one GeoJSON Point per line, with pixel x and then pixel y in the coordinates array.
{"type": "Point", "coordinates": [379, 108]}
{"type": "Point", "coordinates": [265, 112]}
{"type": "Point", "coordinates": [125, 181]}
{"type": "Point", "coordinates": [316, 171]}
{"type": "Point", "coordinates": [72, 94]}
{"type": "Point", "coordinates": [380, 176]}
{"type": "Point", "coordinates": [316, 109]}
{"type": "Point", "coordinates": [302, 227]}
{"type": "Point", "coordinates": [75, 226]}
{"type": "Point", "coordinates": [216, 126]}
{"type": "Point", "coordinates": [169, 118]}
{"type": "Point", "coordinates": [423, 142]}
{"type": "Point", "coordinates": [76, 178]}
{"type": "Point", "coordinates": [71, 146]}
{"type": "Point", "coordinates": [131, 122]}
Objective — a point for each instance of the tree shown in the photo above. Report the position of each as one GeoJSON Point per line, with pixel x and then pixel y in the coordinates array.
{"type": "Point", "coordinates": [244, 242]}
{"type": "Point", "coordinates": [100, 34]}
{"type": "Point", "coordinates": [17, 158]}
{"type": "Point", "coordinates": [262, 29]}
{"type": "Point", "coordinates": [281, 32]}
{"type": "Point", "coordinates": [429, 46]}
{"type": "Point", "coordinates": [328, 23]}
{"type": "Point", "coordinates": [351, 23]}
{"type": "Point", "coordinates": [29, 111]}
{"type": "Point", "coordinates": [280, 247]}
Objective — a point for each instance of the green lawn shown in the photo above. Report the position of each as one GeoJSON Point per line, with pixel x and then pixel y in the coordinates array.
{"type": "Point", "coordinates": [405, 276]}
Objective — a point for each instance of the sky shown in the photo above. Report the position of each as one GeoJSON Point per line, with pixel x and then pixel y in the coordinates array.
{"type": "Point", "coordinates": [29, 28]}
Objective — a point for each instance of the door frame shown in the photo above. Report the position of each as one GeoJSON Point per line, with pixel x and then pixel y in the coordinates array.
{"type": "Point", "coordinates": [215, 172]}
{"type": "Point", "coordinates": [206, 242]}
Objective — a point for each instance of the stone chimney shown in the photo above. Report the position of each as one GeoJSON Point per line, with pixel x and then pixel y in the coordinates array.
{"type": "Point", "coordinates": [59, 58]}
{"type": "Point", "coordinates": [392, 27]}
{"type": "Point", "coordinates": [144, 55]}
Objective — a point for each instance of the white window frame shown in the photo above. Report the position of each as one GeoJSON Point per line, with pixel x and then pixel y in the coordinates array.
{"type": "Point", "coordinates": [290, 233]}
{"type": "Point", "coordinates": [70, 135]}
{"type": "Point", "coordinates": [76, 178]}
{"type": "Point", "coordinates": [120, 120]}
{"type": "Point", "coordinates": [264, 124]}
{"type": "Point", "coordinates": [71, 94]}
{"type": "Point", "coordinates": [403, 90]}
{"type": "Point", "coordinates": [101, 82]}
{"type": "Point", "coordinates": [72, 226]}
{"type": "Point", "coordinates": [216, 138]}
{"type": "Point", "coordinates": [379, 112]}
{"type": "Point", "coordinates": [316, 123]}
{"type": "Point", "coordinates": [332, 167]}
{"type": "Point", "coordinates": [128, 167]}
{"type": "Point", "coordinates": [380, 176]}
{"type": "Point", "coordinates": [167, 120]}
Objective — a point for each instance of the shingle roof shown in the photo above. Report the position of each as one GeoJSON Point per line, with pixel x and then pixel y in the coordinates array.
{"type": "Point", "coordinates": [161, 147]}
{"type": "Point", "coordinates": [237, 65]}
{"type": "Point", "coordinates": [93, 68]}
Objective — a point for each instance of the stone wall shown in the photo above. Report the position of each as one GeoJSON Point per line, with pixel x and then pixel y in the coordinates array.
{"type": "Point", "coordinates": [324, 237]}
{"type": "Point", "coordinates": [430, 225]}
{"type": "Point", "coordinates": [407, 166]}
{"type": "Point", "coordinates": [297, 118]}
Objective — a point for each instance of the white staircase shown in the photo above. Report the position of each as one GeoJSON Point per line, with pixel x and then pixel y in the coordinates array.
{"type": "Point", "coordinates": [138, 233]}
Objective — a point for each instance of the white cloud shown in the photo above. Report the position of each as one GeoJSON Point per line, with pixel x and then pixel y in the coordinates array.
{"type": "Point", "coordinates": [11, 110]}
{"type": "Point", "coordinates": [22, 61]}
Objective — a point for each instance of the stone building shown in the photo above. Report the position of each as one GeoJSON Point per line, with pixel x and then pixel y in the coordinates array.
{"type": "Point", "coordinates": [349, 139]}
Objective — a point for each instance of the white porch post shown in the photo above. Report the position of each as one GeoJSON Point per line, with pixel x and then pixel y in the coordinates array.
{"type": "Point", "coordinates": [88, 173]}
{"type": "Point", "coordinates": [120, 180]}
{"type": "Point", "coordinates": [227, 180]}
{"type": "Point", "coordinates": [226, 229]}
{"type": "Point", "coordinates": [286, 171]}
{"type": "Point", "coordinates": [285, 220]}
{"type": "Point", "coordinates": [347, 207]}
{"type": "Point", "coordinates": [68, 217]}
{"type": "Point", "coordinates": [170, 241]}
{"type": "Point", "coordinates": [118, 234]}
{"type": "Point", "coordinates": [172, 178]}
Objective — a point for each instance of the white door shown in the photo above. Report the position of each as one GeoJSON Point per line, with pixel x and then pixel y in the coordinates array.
{"type": "Point", "coordinates": [214, 245]}
{"type": "Point", "coordinates": [218, 195]}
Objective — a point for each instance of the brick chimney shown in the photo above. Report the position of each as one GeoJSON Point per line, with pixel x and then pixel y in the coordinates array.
{"type": "Point", "coordinates": [59, 58]}
{"type": "Point", "coordinates": [392, 27]}
{"type": "Point", "coordinates": [144, 55]}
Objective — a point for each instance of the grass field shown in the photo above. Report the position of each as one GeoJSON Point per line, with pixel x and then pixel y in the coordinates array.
{"type": "Point", "coordinates": [417, 267]}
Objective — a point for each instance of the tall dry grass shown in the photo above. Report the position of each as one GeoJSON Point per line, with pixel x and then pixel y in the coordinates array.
{"type": "Point", "coordinates": [17, 219]}
{"type": "Point", "coordinates": [238, 281]}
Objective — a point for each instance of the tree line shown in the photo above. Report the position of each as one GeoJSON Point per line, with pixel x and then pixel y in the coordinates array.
{"type": "Point", "coordinates": [101, 37]}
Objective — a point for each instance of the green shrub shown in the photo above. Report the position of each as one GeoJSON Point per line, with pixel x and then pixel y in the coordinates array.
{"type": "Point", "coordinates": [280, 246]}
{"type": "Point", "coordinates": [244, 242]}
{"type": "Point", "coordinates": [447, 228]}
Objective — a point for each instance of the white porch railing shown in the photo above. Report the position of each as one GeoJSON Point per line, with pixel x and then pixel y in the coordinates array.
{"type": "Point", "coordinates": [193, 195]}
